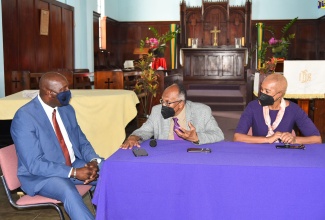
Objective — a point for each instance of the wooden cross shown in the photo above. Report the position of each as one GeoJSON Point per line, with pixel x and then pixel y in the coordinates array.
{"type": "Point", "coordinates": [16, 81]}
{"type": "Point", "coordinates": [215, 31]}
{"type": "Point", "coordinates": [108, 82]}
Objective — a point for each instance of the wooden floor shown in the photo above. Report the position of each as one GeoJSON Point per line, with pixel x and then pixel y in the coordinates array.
{"type": "Point", "coordinates": [227, 122]}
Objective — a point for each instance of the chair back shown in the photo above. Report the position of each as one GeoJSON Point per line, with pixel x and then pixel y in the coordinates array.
{"type": "Point", "coordinates": [9, 166]}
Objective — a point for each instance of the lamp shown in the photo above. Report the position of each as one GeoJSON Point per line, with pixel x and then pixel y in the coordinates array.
{"type": "Point", "coordinates": [141, 51]}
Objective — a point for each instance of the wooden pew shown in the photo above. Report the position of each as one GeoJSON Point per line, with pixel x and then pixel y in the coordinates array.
{"type": "Point", "coordinates": [107, 79]}
{"type": "Point", "coordinates": [82, 79]}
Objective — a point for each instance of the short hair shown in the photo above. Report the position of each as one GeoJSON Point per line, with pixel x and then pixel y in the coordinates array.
{"type": "Point", "coordinates": [181, 91]}
{"type": "Point", "coordinates": [280, 80]}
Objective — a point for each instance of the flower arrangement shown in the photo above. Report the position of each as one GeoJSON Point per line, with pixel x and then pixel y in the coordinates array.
{"type": "Point", "coordinates": [147, 85]}
{"type": "Point", "coordinates": [157, 44]}
{"type": "Point", "coordinates": [268, 66]}
{"type": "Point", "coordinates": [278, 47]}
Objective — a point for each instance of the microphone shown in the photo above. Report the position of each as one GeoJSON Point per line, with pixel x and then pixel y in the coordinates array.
{"type": "Point", "coordinates": [153, 143]}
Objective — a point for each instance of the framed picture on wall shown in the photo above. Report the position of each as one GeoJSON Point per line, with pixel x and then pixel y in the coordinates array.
{"type": "Point", "coordinates": [44, 22]}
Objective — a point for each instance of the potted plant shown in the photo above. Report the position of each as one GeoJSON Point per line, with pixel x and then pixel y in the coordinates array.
{"type": "Point", "coordinates": [147, 85]}
{"type": "Point", "coordinates": [278, 48]}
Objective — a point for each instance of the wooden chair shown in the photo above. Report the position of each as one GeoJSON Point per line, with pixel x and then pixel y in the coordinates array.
{"type": "Point", "coordinates": [81, 81]}
{"type": "Point", "coordinates": [19, 81]}
{"type": "Point", "coordinates": [33, 80]}
{"type": "Point", "coordinates": [9, 166]}
{"type": "Point", "coordinates": [130, 79]}
{"type": "Point", "coordinates": [68, 74]}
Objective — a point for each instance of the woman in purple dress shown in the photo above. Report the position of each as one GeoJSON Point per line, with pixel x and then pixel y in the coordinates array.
{"type": "Point", "coordinates": [271, 118]}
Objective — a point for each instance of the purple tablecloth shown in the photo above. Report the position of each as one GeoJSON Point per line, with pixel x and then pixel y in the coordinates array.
{"type": "Point", "coordinates": [234, 181]}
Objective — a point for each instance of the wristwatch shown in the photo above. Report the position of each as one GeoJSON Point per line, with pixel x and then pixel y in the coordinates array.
{"type": "Point", "coordinates": [98, 160]}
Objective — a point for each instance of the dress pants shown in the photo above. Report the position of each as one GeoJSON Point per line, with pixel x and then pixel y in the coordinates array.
{"type": "Point", "coordinates": [64, 189]}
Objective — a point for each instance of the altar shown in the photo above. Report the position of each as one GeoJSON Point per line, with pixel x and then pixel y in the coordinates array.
{"type": "Point", "coordinates": [212, 64]}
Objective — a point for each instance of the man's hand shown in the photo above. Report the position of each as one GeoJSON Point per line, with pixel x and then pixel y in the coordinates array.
{"type": "Point", "coordinates": [130, 142]}
{"type": "Point", "coordinates": [189, 135]}
{"type": "Point", "coordinates": [88, 173]}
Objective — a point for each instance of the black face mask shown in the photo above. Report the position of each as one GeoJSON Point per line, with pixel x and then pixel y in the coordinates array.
{"type": "Point", "coordinates": [167, 112]}
{"type": "Point", "coordinates": [266, 100]}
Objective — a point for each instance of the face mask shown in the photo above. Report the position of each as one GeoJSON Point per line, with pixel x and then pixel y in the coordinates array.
{"type": "Point", "coordinates": [266, 100]}
{"type": "Point", "coordinates": [167, 112]}
{"type": "Point", "coordinates": [64, 97]}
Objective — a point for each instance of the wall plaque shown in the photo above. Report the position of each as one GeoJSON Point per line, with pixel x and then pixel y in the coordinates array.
{"type": "Point", "coordinates": [44, 22]}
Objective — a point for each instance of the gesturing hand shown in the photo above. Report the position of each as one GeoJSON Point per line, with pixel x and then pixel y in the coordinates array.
{"type": "Point", "coordinates": [189, 135]}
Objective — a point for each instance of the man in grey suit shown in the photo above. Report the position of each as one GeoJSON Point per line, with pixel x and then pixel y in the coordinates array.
{"type": "Point", "coordinates": [194, 121]}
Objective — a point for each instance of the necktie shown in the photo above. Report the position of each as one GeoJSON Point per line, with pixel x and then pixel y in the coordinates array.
{"type": "Point", "coordinates": [176, 126]}
{"type": "Point", "coordinates": [60, 138]}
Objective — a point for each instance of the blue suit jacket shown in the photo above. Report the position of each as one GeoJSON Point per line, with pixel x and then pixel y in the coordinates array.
{"type": "Point", "coordinates": [38, 150]}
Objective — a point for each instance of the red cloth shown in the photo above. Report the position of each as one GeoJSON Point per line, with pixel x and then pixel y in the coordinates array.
{"type": "Point", "coordinates": [159, 62]}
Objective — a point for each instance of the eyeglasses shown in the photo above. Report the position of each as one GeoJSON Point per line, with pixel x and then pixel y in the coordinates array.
{"type": "Point", "coordinates": [168, 103]}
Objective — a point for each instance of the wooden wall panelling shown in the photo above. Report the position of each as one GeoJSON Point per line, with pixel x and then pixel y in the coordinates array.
{"type": "Point", "coordinates": [96, 17]}
{"type": "Point", "coordinates": [236, 24]}
{"type": "Point", "coordinates": [132, 32]}
{"type": "Point", "coordinates": [55, 33]}
{"type": "Point", "coordinates": [25, 48]}
{"type": "Point", "coordinates": [42, 43]}
{"type": "Point", "coordinates": [10, 40]}
{"type": "Point", "coordinates": [215, 15]}
{"type": "Point", "coordinates": [305, 41]}
{"type": "Point", "coordinates": [111, 31]}
{"type": "Point", "coordinates": [67, 27]}
{"type": "Point", "coordinates": [308, 43]}
{"type": "Point", "coordinates": [128, 41]}
{"type": "Point", "coordinates": [27, 29]}
{"type": "Point", "coordinates": [321, 39]}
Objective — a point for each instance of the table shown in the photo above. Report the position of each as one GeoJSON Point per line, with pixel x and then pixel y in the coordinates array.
{"type": "Point", "coordinates": [101, 114]}
{"type": "Point", "coordinates": [234, 181]}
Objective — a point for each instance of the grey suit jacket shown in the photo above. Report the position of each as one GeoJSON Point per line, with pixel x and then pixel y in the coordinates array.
{"type": "Point", "coordinates": [198, 114]}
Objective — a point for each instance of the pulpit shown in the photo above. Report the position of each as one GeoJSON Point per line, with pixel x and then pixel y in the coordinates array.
{"type": "Point", "coordinates": [107, 79]}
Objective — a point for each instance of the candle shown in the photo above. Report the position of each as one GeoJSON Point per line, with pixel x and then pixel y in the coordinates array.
{"type": "Point", "coordinates": [189, 42]}
{"type": "Point", "coordinates": [243, 41]}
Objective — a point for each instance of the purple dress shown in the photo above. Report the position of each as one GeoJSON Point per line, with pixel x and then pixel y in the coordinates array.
{"type": "Point", "coordinates": [294, 115]}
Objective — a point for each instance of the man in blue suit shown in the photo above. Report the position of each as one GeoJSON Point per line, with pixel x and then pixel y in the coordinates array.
{"type": "Point", "coordinates": [44, 166]}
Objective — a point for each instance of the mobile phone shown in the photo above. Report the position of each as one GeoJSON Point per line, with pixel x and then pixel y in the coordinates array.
{"type": "Point", "coordinates": [198, 150]}
{"type": "Point", "coordinates": [138, 152]}
{"type": "Point", "coordinates": [288, 146]}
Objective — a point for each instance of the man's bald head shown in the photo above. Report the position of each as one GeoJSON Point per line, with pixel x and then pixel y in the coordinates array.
{"type": "Point", "coordinates": [51, 84]}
